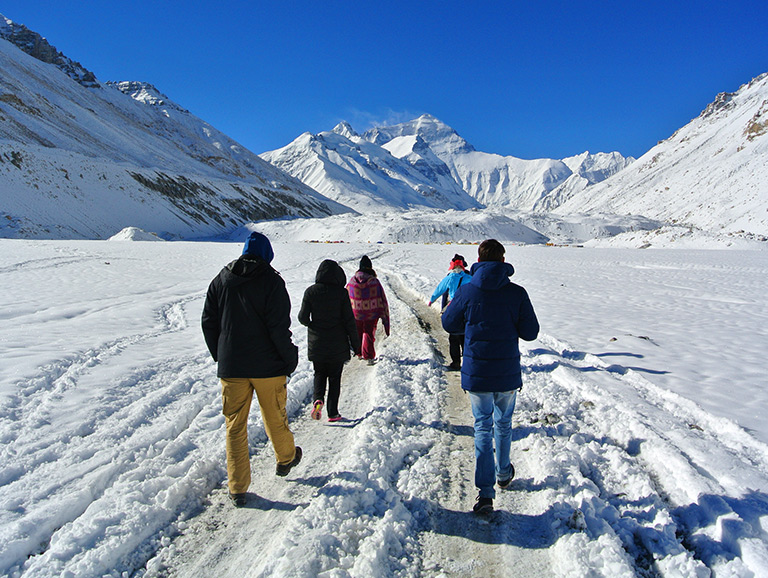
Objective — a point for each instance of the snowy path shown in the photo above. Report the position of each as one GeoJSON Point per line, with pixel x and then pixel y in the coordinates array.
{"type": "Point", "coordinates": [350, 504]}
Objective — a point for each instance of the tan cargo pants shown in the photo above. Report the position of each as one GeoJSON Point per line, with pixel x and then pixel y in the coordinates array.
{"type": "Point", "coordinates": [236, 394]}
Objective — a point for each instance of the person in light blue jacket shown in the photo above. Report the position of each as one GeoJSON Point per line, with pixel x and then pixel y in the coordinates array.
{"type": "Point", "coordinates": [457, 276]}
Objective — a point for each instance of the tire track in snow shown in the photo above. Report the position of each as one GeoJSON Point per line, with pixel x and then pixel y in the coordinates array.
{"type": "Point", "coordinates": [30, 405]}
{"type": "Point", "coordinates": [629, 465]}
{"type": "Point", "coordinates": [135, 435]}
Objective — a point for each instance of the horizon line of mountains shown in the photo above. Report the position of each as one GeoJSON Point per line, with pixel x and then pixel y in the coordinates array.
{"type": "Point", "coordinates": [72, 148]}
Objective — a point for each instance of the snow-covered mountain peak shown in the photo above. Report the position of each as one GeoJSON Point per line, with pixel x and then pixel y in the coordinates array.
{"type": "Point", "coordinates": [38, 47]}
{"type": "Point", "coordinates": [145, 93]}
{"type": "Point", "coordinates": [599, 166]}
{"type": "Point", "coordinates": [442, 139]}
{"type": "Point", "coordinates": [345, 129]}
{"type": "Point", "coordinates": [367, 177]}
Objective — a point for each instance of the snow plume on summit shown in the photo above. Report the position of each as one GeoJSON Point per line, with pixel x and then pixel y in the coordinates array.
{"type": "Point", "coordinates": [82, 159]}
{"type": "Point", "coordinates": [711, 174]}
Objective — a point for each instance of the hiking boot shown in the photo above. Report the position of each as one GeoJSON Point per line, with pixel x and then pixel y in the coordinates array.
{"type": "Point", "coordinates": [284, 470]}
{"type": "Point", "coordinates": [483, 505]}
{"type": "Point", "coordinates": [238, 500]}
{"type": "Point", "coordinates": [317, 409]}
{"type": "Point", "coordinates": [455, 366]}
{"type": "Point", "coordinates": [370, 361]}
{"type": "Point", "coordinates": [503, 484]}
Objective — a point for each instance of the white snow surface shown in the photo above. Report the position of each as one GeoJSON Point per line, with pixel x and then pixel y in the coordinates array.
{"type": "Point", "coordinates": [640, 441]}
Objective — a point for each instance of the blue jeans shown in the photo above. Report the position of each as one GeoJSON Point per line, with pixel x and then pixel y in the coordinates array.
{"type": "Point", "coordinates": [493, 423]}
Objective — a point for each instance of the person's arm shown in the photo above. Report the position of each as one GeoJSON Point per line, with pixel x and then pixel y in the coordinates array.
{"type": "Point", "coordinates": [441, 288]}
{"type": "Point", "coordinates": [305, 313]}
{"type": "Point", "coordinates": [527, 324]}
{"type": "Point", "coordinates": [211, 322]}
{"type": "Point", "coordinates": [385, 309]}
{"type": "Point", "coordinates": [278, 316]}
{"type": "Point", "coordinates": [348, 320]}
{"type": "Point", "coordinates": [453, 318]}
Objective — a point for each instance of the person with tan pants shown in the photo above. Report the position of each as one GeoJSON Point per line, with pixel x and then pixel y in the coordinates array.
{"type": "Point", "coordinates": [246, 323]}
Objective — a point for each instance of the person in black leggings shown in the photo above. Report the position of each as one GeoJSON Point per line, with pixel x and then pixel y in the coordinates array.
{"type": "Point", "coordinates": [331, 334]}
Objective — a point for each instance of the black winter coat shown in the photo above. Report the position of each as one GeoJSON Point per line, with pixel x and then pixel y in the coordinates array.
{"type": "Point", "coordinates": [327, 313]}
{"type": "Point", "coordinates": [246, 321]}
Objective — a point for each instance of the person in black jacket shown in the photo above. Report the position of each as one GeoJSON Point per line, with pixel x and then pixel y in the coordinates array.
{"type": "Point", "coordinates": [246, 323]}
{"type": "Point", "coordinates": [332, 332]}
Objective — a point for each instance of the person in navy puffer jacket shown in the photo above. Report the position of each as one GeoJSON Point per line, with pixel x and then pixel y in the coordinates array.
{"type": "Point", "coordinates": [493, 313]}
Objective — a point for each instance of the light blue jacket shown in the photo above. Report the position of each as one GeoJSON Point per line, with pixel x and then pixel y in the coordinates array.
{"type": "Point", "coordinates": [450, 283]}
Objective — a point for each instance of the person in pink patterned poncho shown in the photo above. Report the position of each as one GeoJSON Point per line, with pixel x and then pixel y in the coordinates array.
{"type": "Point", "coordinates": [369, 304]}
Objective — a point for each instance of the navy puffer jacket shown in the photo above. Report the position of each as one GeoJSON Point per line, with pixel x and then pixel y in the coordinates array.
{"type": "Point", "coordinates": [493, 313]}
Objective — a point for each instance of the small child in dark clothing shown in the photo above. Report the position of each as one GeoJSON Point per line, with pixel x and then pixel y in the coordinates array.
{"type": "Point", "coordinates": [331, 334]}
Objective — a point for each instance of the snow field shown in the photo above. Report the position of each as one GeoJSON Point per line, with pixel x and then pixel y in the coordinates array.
{"type": "Point", "coordinates": [113, 441]}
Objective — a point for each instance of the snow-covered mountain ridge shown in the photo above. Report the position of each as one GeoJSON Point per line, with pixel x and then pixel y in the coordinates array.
{"type": "Point", "coordinates": [349, 169]}
{"type": "Point", "coordinates": [73, 150]}
{"type": "Point", "coordinates": [38, 47]}
{"type": "Point", "coordinates": [711, 174]}
{"type": "Point", "coordinates": [340, 164]}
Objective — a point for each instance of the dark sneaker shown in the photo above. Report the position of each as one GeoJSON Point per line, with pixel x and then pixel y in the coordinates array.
{"type": "Point", "coordinates": [456, 366]}
{"type": "Point", "coordinates": [238, 500]}
{"type": "Point", "coordinates": [503, 484]}
{"type": "Point", "coordinates": [370, 361]}
{"type": "Point", "coordinates": [284, 470]}
{"type": "Point", "coordinates": [317, 409]}
{"type": "Point", "coordinates": [483, 506]}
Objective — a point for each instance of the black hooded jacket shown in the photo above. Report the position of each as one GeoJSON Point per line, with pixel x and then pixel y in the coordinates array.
{"type": "Point", "coordinates": [246, 321]}
{"type": "Point", "coordinates": [327, 312]}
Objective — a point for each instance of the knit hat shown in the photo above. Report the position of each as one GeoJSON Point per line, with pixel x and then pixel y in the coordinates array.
{"type": "Point", "coordinates": [365, 263]}
{"type": "Point", "coordinates": [457, 261]}
{"type": "Point", "coordinates": [258, 245]}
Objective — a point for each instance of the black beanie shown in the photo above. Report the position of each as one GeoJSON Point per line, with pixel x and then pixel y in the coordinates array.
{"type": "Point", "coordinates": [365, 263]}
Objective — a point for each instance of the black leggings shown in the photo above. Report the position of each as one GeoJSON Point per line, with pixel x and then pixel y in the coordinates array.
{"type": "Point", "coordinates": [330, 372]}
{"type": "Point", "coordinates": [456, 343]}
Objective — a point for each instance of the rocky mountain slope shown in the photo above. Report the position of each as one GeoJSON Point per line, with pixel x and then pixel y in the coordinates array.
{"type": "Point", "coordinates": [711, 174]}
{"type": "Point", "coordinates": [80, 158]}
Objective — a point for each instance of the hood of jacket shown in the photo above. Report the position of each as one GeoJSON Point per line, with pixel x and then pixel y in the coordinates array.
{"type": "Point", "coordinates": [330, 273]}
{"type": "Point", "coordinates": [491, 275]}
{"type": "Point", "coordinates": [243, 270]}
{"type": "Point", "coordinates": [362, 277]}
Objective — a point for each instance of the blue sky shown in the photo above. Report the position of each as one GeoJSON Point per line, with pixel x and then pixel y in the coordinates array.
{"type": "Point", "coordinates": [535, 79]}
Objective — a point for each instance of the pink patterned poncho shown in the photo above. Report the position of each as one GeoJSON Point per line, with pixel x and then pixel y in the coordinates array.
{"type": "Point", "coordinates": [368, 300]}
